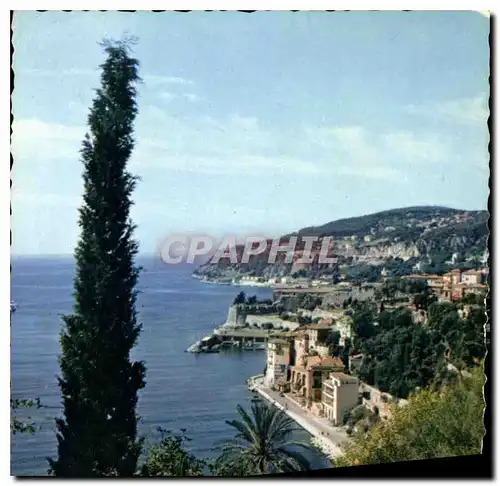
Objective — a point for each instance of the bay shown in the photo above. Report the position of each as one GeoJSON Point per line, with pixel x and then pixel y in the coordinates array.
{"type": "Point", "coordinates": [183, 390]}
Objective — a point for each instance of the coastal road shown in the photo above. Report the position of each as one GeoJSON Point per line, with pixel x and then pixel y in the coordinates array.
{"type": "Point", "coordinates": [329, 436]}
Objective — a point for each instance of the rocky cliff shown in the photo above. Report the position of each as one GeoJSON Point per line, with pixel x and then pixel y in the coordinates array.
{"type": "Point", "coordinates": [401, 240]}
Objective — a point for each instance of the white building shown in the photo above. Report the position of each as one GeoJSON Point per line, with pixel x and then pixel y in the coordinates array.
{"type": "Point", "coordinates": [471, 277]}
{"type": "Point", "coordinates": [339, 395]}
{"type": "Point", "coordinates": [278, 360]}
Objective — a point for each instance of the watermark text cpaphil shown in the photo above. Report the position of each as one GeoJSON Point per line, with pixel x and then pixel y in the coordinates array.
{"type": "Point", "coordinates": [178, 248]}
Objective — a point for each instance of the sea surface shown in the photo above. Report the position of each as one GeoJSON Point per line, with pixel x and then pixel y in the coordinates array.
{"type": "Point", "coordinates": [183, 390]}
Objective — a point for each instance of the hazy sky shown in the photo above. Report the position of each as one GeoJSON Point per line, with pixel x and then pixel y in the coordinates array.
{"type": "Point", "coordinates": [264, 122]}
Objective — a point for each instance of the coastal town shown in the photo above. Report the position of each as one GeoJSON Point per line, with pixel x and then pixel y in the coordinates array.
{"type": "Point", "coordinates": [303, 327]}
{"type": "Point", "coordinates": [399, 242]}
{"type": "Point", "coordinates": [249, 245]}
{"type": "Point", "coordinates": [301, 301]}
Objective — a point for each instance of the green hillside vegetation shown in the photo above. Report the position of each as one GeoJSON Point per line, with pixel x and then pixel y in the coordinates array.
{"type": "Point", "coordinates": [361, 225]}
{"type": "Point", "coordinates": [442, 423]}
{"type": "Point", "coordinates": [400, 356]}
{"type": "Point", "coordinates": [444, 236]}
{"type": "Point", "coordinates": [478, 229]}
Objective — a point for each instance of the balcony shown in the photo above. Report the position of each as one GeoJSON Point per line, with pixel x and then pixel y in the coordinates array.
{"type": "Point", "coordinates": [327, 400]}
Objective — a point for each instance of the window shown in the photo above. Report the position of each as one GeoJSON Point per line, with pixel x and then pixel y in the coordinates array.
{"type": "Point", "coordinates": [317, 379]}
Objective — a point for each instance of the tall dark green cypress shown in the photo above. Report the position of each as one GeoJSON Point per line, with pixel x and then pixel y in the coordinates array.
{"type": "Point", "coordinates": [99, 383]}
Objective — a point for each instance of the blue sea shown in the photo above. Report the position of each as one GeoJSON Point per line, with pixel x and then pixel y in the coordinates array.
{"type": "Point", "coordinates": [183, 390]}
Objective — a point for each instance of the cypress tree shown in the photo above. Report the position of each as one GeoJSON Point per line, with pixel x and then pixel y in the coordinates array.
{"type": "Point", "coordinates": [98, 382]}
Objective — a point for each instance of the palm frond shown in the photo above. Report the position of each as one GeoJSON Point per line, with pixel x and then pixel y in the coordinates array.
{"type": "Point", "coordinates": [295, 460]}
{"type": "Point", "coordinates": [245, 433]}
{"type": "Point", "coordinates": [281, 427]}
{"type": "Point", "coordinates": [261, 444]}
{"type": "Point", "coordinates": [297, 443]}
{"type": "Point", "coordinates": [248, 422]}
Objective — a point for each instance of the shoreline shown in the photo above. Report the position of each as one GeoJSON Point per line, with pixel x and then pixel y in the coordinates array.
{"type": "Point", "coordinates": [233, 284]}
{"type": "Point", "coordinates": [326, 445]}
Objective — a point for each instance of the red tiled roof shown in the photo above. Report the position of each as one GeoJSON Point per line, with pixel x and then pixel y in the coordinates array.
{"type": "Point", "coordinates": [324, 361]}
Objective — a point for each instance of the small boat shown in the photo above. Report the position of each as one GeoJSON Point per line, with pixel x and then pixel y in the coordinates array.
{"type": "Point", "coordinates": [13, 307]}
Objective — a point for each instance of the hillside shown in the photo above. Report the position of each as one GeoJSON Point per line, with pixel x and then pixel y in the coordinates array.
{"type": "Point", "coordinates": [375, 223]}
{"type": "Point", "coordinates": [403, 240]}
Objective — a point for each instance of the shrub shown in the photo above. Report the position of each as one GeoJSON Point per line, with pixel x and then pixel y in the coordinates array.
{"type": "Point", "coordinates": [170, 458]}
{"type": "Point", "coordinates": [443, 423]}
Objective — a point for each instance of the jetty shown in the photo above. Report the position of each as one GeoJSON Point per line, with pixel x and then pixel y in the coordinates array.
{"type": "Point", "coordinates": [228, 338]}
{"type": "Point", "coordinates": [247, 326]}
{"type": "Point", "coordinates": [243, 335]}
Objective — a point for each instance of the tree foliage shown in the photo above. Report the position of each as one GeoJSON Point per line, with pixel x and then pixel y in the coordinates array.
{"type": "Point", "coordinates": [395, 287]}
{"type": "Point", "coordinates": [363, 324]}
{"type": "Point", "coordinates": [25, 425]}
{"type": "Point", "coordinates": [424, 299]}
{"type": "Point", "coordinates": [240, 298]}
{"type": "Point", "coordinates": [464, 337]}
{"type": "Point", "coordinates": [447, 422]}
{"type": "Point", "coordinates": [170, 457]}
{"type": "Point", "coordinates": [99, 383]}
{"type": "Point", "coordinates": [363, 272]}
{"type": "Point", "coordinates": [400, 356]}
{"type": "Point", "coordinates": [252, 300]}
{"type": "Point", "coordinates": [262, 444]}
{"type": "Point", "coordinates": [309, 302]}
{"type": "Point", "coordinates": [361, 225]}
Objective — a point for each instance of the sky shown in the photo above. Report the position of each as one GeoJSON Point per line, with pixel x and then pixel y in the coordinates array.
{"type": "Point", "coordinates": [259, 123]}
